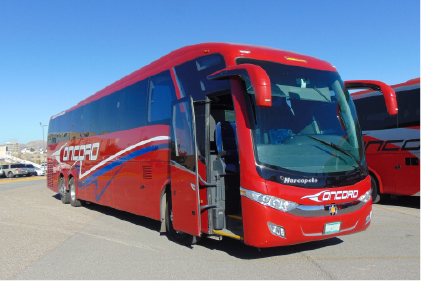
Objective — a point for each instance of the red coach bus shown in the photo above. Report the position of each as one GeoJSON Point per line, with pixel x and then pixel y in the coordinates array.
{"type": "Point", "coordinates": [392, 142]}
{"type": "Point", "coordinates": [253, 143]}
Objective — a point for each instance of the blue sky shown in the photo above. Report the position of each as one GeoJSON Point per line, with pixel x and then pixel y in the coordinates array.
{"type": "Point", "coordinates": [55, 53]}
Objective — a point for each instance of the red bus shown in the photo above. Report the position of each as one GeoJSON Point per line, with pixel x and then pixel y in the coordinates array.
{"type": "Point", "coordinates": [392, 142]}
{"type": "Point", "coordinates": [216, 139]}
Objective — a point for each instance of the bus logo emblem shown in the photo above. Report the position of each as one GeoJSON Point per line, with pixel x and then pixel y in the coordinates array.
{"type": "Point", "coordinates": [333, 210]}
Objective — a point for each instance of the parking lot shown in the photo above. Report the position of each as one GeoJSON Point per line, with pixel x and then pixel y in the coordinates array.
{"type": "Point", "coordinates": [40, 238]}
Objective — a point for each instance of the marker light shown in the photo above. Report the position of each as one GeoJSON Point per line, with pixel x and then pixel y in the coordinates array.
{"type": "Point", "coordinates": [368, 218]}
{"type": "Point", "coordinates": [276, 230]}
{"type": "Point", "coordinates": [267, 200]}
{"type": "Point", "coordinates": [364, 198]}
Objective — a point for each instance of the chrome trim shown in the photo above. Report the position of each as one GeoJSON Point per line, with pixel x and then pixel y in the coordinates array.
{"type": "Point", "coordinates": [175, 164]}
{"type": "Point", "coordinates": [323, 210]}
{"type": "Point", "coordinates": [322, 234]}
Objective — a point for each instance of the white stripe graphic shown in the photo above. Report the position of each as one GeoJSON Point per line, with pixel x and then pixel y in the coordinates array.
{"type": "Point", "coordinates": [118, 154]}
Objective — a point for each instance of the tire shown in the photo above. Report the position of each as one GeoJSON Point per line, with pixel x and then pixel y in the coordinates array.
{"type": "Point", "coordinates": [174, 235]}
{"type": "Point", "coordinates": [10, 175]}
{"type": "Point", "coordinates": [72, 190]}
{"type": "Point", "coordinates": [64, 194]}
{"type": "Point", "coordinates": [375, 192]}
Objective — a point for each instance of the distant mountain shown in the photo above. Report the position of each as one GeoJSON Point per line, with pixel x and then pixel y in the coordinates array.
{"type": "Point", "coordinates": [33, 144]}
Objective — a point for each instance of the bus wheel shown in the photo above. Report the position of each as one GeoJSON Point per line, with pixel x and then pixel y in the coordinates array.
{"type": "Point", "coordinates": [64, 194]}
{"type": "Point", "coordinates": [72, 188]}
{"type": "Point", "coordinates": [175, 235]}
{"type": "Point", "coordinates": [375, 194]}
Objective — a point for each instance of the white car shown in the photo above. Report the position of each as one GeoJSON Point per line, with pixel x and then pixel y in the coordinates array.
{"type": "Point", "coordinates": [40, 172]}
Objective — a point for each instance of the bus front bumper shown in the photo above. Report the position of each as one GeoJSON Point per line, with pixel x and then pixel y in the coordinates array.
{"type": "Point", "coordinates": [267, 227]}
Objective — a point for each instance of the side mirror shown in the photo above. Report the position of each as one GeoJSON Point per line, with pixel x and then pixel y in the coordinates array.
{"type": "Point", "coordinates": [388, 92]}
{"type": "Point", "coordinates": [258, 78]}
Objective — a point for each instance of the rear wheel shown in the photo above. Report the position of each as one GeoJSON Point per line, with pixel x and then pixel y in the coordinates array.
{"type": "Point", "coordinates": [72, 189]}
{"type": "Point", "coordinates": [10, 175]}
{"type": "Point", "coordinates": [64, 193]}
{"type": "Point", "coordinates": [175, 235]}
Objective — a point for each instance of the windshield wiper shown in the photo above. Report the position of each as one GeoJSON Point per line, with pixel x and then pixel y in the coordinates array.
{"type": "Point", "coordinates": [338, 148]}
{"type": "Point", "coordinates": [320, 93]}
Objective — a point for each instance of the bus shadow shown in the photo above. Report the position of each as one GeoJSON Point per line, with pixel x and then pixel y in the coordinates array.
{"type": "Point", "coordinates": [239, 250]}
{"type": "Point", "coordinates": [121, 215]}
{"type": "Point", "coordinates": [230, 246]}
{"type": "Point", "coordinates": [402, 201]}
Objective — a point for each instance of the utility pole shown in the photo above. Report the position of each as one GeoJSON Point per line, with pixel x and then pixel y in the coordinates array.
{"type": "Point", "coordinates": [42, 126]}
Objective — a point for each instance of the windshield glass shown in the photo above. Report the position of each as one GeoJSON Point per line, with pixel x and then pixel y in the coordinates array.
{"type": "Point", "coordinates": [311, 127]}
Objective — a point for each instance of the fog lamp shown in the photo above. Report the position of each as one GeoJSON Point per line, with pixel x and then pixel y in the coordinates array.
{"type": "Point", "coordinates": [276, 230]}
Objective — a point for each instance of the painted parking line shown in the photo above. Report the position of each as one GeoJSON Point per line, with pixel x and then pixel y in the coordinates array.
{"type": "Point", "coordinates": [21, 179]}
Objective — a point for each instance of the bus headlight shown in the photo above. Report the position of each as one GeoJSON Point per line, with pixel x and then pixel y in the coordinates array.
{"type": "Point", "coordinates": [364, 198]}
{"type": "Point", "coordinates": [267, 200]}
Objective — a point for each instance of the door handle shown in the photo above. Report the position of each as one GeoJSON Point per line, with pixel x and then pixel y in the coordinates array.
{"type": "Point", "coordinates": [397, 166]}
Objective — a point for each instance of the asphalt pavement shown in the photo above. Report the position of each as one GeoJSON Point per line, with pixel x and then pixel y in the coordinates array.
{"type": "Point", "coordinates": [41, 238]}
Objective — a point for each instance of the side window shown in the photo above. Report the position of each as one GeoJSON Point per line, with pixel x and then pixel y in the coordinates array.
{"type": "Point", "coordinates": [160, 95]}
{"type": "Point", "coordinates": [133, 105]}
{"type": "Point", "coordinates": [52, 131]}
{"type": "Point", "coordinates": [372, 114]}
{"type": "Point", "coordinates": [409, 108]}
{"type": "Point", "coordinates": [192, 75]}
{"type": "Point", "coordinates": [76, 117]}
{"type": "Point", "coordinates": [90, 119]}
{"type": "Point", "coordinates": [108, 113]}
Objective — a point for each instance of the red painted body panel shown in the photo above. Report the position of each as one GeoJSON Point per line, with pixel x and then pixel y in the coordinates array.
{"type": "Point", "coordinates": [184, 198]}
{"type": "Point", "coordinates": [257, 232]}
{"type": "Point", "coordinates": [132, 167]}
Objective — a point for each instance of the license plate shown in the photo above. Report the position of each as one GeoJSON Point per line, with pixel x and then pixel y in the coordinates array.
{"type": "Point", "coordinates": [332, 227]}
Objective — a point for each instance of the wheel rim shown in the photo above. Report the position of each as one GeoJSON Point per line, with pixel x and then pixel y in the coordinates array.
{"type": "Point", "coordinates": [72, 191]}
{"type": "Point", "coordinates": [62, 188]}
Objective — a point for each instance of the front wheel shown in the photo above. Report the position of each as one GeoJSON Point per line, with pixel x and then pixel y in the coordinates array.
{"type": "Point", "coordinates": [375, 192]}
{"type": "Point", "coordinates": [175, 235]}
{"type": "Point", "coordinates": [72, 189]}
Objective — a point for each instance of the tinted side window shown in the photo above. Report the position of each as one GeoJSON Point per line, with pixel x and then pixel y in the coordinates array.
{"type": "Point", "coordinates": [192, 75]}
{"type": "Point", "coordinates": [90, 119]}
{"type": "Point", "coordinates": [5, 166]}
{"type": "Point", "coordinates": [133, 105]}
{"type": "Point", "coordinates": [76, 117]}
{"type": "Point", "coordinates": [373, 115]}
{"type": "Point", "coordinates": [58, 129]}
{"type": "Point", "coordinates": [409, 108]}
{"type": "Point", "coordinates": [161, 94]}
{"type": "Point", "coordinates": [108, 113]}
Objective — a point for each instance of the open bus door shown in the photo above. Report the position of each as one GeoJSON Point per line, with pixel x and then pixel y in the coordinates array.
{"type": "Point", "coordinates": [184, 174]}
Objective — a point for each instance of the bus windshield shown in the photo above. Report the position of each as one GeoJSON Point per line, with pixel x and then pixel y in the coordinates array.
{"type": "Point", "coordinates": [311, 127]}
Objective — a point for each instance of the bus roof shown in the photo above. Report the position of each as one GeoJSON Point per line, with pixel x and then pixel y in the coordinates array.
{"type": "Point", "coordinates": [228, 50]}
{"type": "Point", "coordinates": [398, 87]}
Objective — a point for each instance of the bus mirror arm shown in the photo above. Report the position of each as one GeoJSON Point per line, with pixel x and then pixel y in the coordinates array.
{"type": "Point", "coordinates": [387, 91]}
{"type": "Point", "coordinates": [258, 77]}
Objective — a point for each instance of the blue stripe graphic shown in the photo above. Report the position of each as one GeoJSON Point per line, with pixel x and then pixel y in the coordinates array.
{"type": "Point", "coordinates": [92, 179]}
